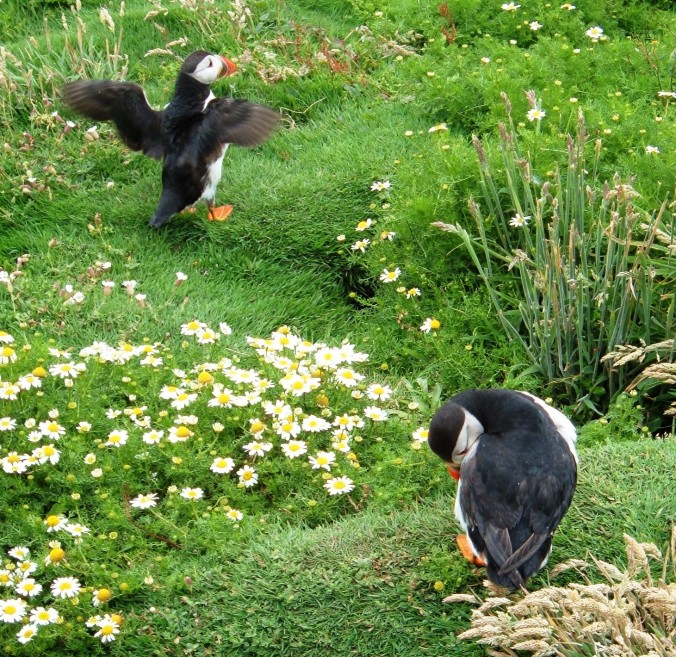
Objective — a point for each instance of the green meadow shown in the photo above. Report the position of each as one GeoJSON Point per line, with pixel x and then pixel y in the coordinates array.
{"type": "Point", "coordinates": [213, 436]}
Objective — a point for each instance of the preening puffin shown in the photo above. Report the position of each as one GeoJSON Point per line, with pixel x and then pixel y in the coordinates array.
{"type": "Point", "coordinates": [191, 134]}
{"type": "Point", "coordinates": [514, 458]}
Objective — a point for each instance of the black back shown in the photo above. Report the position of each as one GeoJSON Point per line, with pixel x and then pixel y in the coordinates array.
{"type": "Point", "coordinates": [517, 486]}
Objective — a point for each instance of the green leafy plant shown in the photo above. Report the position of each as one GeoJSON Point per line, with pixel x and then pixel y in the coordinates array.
{"type": "Point", "coordinates": [574, 271]}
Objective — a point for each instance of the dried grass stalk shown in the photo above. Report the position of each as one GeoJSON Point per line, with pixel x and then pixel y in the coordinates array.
{"type": "Point", "coordinates": [632, 613]}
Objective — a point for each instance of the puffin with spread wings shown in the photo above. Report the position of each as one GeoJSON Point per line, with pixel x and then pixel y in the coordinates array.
{"type": "Point", "coordinates": [191, 134]}
{"type": "Point", "coordinates": [514, 458]}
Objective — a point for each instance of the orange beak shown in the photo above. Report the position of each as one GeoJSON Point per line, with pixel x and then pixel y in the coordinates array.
{"type": "Point", "coordinates": [454, 472]}
{"type": "Point", "coordinates": [228, 67]}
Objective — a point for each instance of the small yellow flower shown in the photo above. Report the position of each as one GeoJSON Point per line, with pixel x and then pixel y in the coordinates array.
{"type": "Point", "coordinates": [257, 427]}
{"type": "Point", "coordinates": [183, 432]}
{"type": "Point", "coordinates": [56, 554]}
{"type": "Point", "coordinates": [103, 595]}
{"type": "Point", "coordinates": [52, 521]}
{"type": "Point", "coordinates": [205, 377]}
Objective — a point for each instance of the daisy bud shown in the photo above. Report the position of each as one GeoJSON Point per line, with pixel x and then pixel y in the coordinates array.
{"type": "Point", "coordinates": [141, 300]}
{"type": "Point", "coordinates": [108, 287]}
{"type": "Point", "coordinates": [180, 277]}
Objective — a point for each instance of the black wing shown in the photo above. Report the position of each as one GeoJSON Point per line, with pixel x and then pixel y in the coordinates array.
{"type": "Point", "coordinates": [228, 121]}
{"type": "Point", "coordinates": [124, 103]}
{"type": "Point", "coordinates": [513, 505]}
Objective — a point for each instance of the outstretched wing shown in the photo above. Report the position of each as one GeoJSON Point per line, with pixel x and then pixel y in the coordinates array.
{"type": "Point", "coordinates": [229, 121]}
{"type": "Point", "coordinates": [124, 103]}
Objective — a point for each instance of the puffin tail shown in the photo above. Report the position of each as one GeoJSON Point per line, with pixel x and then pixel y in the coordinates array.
{"type": "Point", "coordinates": [511, 580]}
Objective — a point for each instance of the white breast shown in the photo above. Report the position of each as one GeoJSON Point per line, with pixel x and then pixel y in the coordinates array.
{"type": "Point", "coordinates": [213, 177]}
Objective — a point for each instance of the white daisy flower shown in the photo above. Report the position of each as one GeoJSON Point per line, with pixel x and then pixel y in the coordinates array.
{"type": "Point", "coordinates": [339, 485]}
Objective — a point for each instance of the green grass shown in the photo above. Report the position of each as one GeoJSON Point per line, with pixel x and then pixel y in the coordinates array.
{"type": "Point", "coordinates": [365, 584]}
{"type": "Point", "coordinates": [305, 573]}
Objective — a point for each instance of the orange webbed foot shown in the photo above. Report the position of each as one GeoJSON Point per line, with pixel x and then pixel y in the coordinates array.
{"type": "Point", "coordinates": [466, 551]}
{"type": "Point", "coordinates": [220, 213]}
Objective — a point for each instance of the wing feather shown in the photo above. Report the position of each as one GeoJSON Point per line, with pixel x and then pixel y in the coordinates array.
{"type": "Point", "coordinates": [229, 121]}
{"type": "Point", "coordinates": [510, 512]}
{"type": "Point", "coordinates": [124, 103]}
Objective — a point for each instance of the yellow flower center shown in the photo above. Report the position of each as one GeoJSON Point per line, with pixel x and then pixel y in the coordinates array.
{"type": "Point", "coordinates": [8, 352]}
{"type": "Point", "coordinates": [103, 595]}
{"type": "Point", "coordinates": [107, 630]}
{"type": "Point", "coordinates": [52, 427]}
{"type": "Point", "coordinates": [56, 555]}
{"type": "Point", "coordinates": [183, 432]}
{"type": "Point", "coordinates": [204, 377]}
{"type": "Point", "coordinates": [247, 475]}
{"type": "Point", "coordinates": [53, 521]}
{"type": "Point", "coordinates": [10, 609]}
{"type": "Point", "coordinates": [13, 458]}
{"type": "Point", "coordinates": [39, 372]}
{"type": "Point", "coordinates": [257, 427]}
{"type": "Point", "coordinates": [435, 324]}
{"type": "Point", "coordinates": [193, 326]}
{"type": "Point", "coordinates": [339, 485]}
{"type": "Point", "coordinates": [48, 450]}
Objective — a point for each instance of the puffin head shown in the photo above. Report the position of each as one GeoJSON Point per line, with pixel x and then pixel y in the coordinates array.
{"type": "Point", "coordinates": [205, 67]}
{"type": "Point", "coordinates": [453, 432]}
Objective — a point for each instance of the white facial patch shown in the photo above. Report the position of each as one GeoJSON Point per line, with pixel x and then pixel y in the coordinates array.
{"type": "Point", "coordinates": [467, 440]}
{"type": "Point", "coordinates": [208, 70]}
